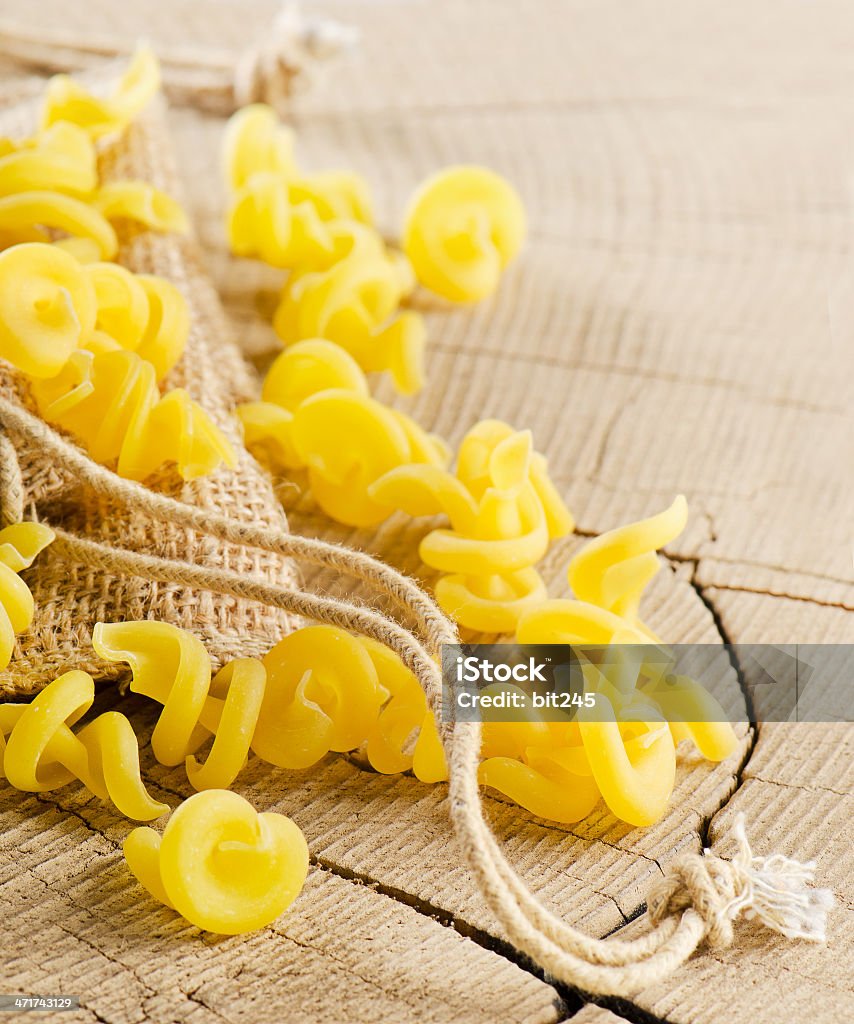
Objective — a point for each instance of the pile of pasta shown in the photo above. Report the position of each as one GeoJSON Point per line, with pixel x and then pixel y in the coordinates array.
{"type": "Point", "coordinates": [95, 343]}
{"type": "Point", "coordinates": [94, 340]}
{"type": "Point", "coordinates": [339, 318]}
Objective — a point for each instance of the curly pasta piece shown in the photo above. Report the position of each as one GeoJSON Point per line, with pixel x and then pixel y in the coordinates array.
{"type": "Point", "coordinates": [613, 570]}
{"type": "Point", "coordinates": [140, 201]}
{"type": "Point", "coordinates": [462, 228]}
{"type": "Point", "coordinates": [392, 745]}
{"type": "Point", "coordinates": [260, 222]}
{"type": "Point", "coordinates": [317, 690]}
{"type": "Point", "coordinates": [66, 100]}
{"type": "Point", "coordinates": [348, 441]}
{"type": "Point", "coordinates": [168, 327]}
{"type": "Point", "coordinates": [503, 511]}
{"type": "Point", "coordinates": [47, 305]}
{"type": "Point", "coordinates": [220, 864]}
{"type": "Point", "coordinates": [121, 304]}
{"type": "Point", "coordinates": [336, 195]}
{"type": "Point", "coordinates": [23, 212]}
{"type": "Point", "coordinates": [354, 304]}
{"type": "Point", "coordinates": [59, 159]}
{"type": "Point", "coordinates": [20, 543]}
{"type": "Point", "coordinates": [110, 401]}
{"type": "Point", "coordinates": [256, 142]}
{"type": "Point", "coordinates": [308, 367]}
{"type": "Point", "coordinates": [41, 753]}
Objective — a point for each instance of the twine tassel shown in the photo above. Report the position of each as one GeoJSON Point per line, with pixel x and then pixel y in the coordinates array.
{"type": "Point", "coordinates": [777, 892]}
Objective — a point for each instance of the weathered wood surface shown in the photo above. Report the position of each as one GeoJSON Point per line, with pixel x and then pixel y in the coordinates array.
{"type": "Point", "coordinates": [682, 320]}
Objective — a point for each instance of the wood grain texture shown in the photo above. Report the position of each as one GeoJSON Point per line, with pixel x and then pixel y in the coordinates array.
{"type": "Point", "coordinates": [680, 321]}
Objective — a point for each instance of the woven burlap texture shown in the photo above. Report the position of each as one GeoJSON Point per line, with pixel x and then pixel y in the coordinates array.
{"type": "Point", "coordinates": [70, 597]}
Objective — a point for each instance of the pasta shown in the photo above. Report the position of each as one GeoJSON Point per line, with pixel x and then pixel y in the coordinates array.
{"type": "Point", "coordinates": [220, 864]}
{"type": "Point", "coordinates": [24, 214]}
{"type": "Point", "coordinates": [141, 202]}
{"type": "Point", "coordinates": [168, 327]}
{"type": "Point", "coordinates": [628, 745]}
{"type": "Point", "coordinates": [41, 753]}
{"type": "Point", "coordinates": [256, 142]}
{"type": "Point", "coordinates": [20, 543]}
{"type": "Point", "coordinates": [66, 100]}
{"type": "Point", "coordinates": [462, 228]}
{"type": "Point", "coordinates": [353, 304]}
{"type": "Point", "coordinates": [140, 313]}
{"type": "Point", "coordinates": [110, 402]}
{"type": "Point", "coordinates": [503, 511]}
{"type": "Point", "coordinates": [318, 689]}
{"type": "Point", "coordinates": [59, 159]}
{"type": "Point", "coordinates": [389, 746]}
{"type": "Point", "coordinates": [613, 570]}
{"type": "Point", "coordinates": [47, 304]}
{"type": "Point", "coordinates": [121, 306]}
{"type": "Point", "coordinates": [318, 415]}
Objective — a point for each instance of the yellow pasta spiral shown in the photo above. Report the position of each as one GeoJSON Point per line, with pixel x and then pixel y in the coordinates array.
{"type": "Point", "coordinates": [503, 510]}
{"type": "Point", "coordinates": [110, 402]}
{"type": "Point", "coordinates": [318, 690]}
{"type": "Point", "coordinates": [40, 751]}
{"type": "Point", "coordinates": [140, 201]}
{"type": "Point", "coordinates": [25, 215]}
{"type": "Point", "coordinates": [67, 100]}
{"type": "Point", "coordinates": [220, 864]}
{"type": "Point", "coordinates": [354, 303]}
{"type": "Point", "coordinates": [140, 313]}
{"type": "Point", "coordinates": [462, 228]}
{"type": "Point", "coordinates": [256, 142]}
{"type": "Point", "coordinates": [59, 159]}
{"type": "Point", "coordinates": [20, 543]}
{"type": "Point", "coordinates": [613, 570]}
{"type": "Point", "coordinates": [47, 304]}
{"type": "Point", "coordinates": [317, 414]}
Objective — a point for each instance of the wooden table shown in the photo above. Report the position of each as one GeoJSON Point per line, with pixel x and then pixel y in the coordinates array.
{"type": "Point", "coordinates": [682, 320]}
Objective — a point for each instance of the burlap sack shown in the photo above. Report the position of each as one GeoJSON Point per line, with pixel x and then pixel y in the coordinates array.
{"type": "Point", "coordinates": [71, 597]}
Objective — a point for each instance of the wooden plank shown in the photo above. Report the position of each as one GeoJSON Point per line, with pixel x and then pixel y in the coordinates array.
{"type": "Point", "coordinates": [666, 330]}
{"type": "Point", "coordinates": [77, 923]}
{"type": "Point", "coordinates": [797, 793]}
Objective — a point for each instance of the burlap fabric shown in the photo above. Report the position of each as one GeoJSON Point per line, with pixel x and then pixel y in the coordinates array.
{"type": "Point", "coordinates": [69, 597]}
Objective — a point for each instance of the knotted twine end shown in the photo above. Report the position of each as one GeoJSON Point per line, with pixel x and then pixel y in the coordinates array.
{"type": "Point", "coordinates": [773, 890]}
{"type": "Point", "coordinates": [273, 70]}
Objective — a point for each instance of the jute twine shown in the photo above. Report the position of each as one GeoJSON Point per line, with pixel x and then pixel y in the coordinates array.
{"type": "Point", "coordinates": [698, 899]}
{"type": "Point", "coordinates": [288, 53]}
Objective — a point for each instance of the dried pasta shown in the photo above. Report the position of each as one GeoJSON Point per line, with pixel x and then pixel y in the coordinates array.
{"type": "Point", "coordinates": [25, 215]}
{"type": "Point", "coordinates": [317, 415]}
{"type": "Point", "coordinates": [41, 753]}
{"type": "Point", "coordinates": [462, 228]}
{"type": "Point", "coordinates": [220, 864]}
{"type": "Point", "coordinates": [256, 142]}
{"type": "Point", "coordinates": [628, 748]}
{"type": "Point", "coordinates": [60, 159]}
{"type": "Point", "coordinates": [67, 100]}
{"type": "Point", "coordinates": [20, 544]}
{"type": "Point", "coordinates": [354, 303]}
{"type": "Point", "coordinates": [47, 304]}
{"type": "Point", "coordinates": [319, 689]}
{"type": "Point", "coordinates": [109, 401]}
{"type": "Point", "coordinates": [140, 201]}
{"type": "Point", "coordinates": [503, 511]}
